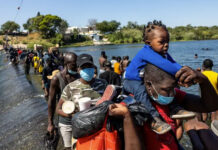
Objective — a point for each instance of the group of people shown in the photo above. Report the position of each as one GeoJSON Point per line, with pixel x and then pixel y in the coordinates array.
{"type": "Point", "coordinates": [152, 79]}
{"type": "Point", "coordinates": [113, 71]}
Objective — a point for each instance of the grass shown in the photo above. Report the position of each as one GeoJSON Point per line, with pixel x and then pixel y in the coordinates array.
{"type": "Point", "coordinates": [35, 38]}
{"type": "Point", "coordinates": [29, 40]}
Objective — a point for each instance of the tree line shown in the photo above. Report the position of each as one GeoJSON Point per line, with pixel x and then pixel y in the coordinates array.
{"type": "Point", "coordinates": [53, 27]}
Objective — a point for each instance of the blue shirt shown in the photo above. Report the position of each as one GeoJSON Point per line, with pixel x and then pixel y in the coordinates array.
{"type": "Point", "coordinates": [148, 55]}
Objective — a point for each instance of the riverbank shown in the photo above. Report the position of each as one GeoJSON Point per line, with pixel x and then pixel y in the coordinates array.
{"type": "Point", "coordinates": [27, 42]}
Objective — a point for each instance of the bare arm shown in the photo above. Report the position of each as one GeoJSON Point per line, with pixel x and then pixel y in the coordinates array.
{"type": "Point", "coordinates": [52, 99]}
{"type": "Point", "coordinates": [131, 137]}
{"type": "Point", "coordinates": [208, 101]}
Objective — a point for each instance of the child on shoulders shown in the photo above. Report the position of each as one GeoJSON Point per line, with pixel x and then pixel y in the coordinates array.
{"type": "Point", "coordinates": [156, 38]}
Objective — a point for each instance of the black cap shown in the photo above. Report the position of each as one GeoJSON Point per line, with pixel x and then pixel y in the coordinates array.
{"type": "Point", "coordinates": [84, 59]}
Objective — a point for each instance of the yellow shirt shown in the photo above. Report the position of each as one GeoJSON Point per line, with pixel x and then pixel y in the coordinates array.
{"type": "Point", "coordinates": [212, 77]}
{"type": "Point", "coordinates": [117, 68]}
{"type": "Point", "coordinates": [35, 60]}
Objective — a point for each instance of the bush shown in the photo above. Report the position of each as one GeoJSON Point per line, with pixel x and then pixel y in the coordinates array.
{"type": "Point", "coordinates": [215, 36]}
{"type": "Point", "coordinates": [125, 36]}
{"type": "Point", "coordinates": [131, 40]}
{"type": "Point", "coordinates": [24, 42]}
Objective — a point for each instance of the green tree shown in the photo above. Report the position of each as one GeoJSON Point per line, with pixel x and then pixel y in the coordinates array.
{"type": "Point", "coordinates": [106, 26]}
{"type": "Point", "coordinates": [47, 25]}
{"type": "Point", "coordinates": [63, 26]}
{"type": "Point", "coordinates": [10, 26]}
{"type": "Point", "coordinates": [32, 24]}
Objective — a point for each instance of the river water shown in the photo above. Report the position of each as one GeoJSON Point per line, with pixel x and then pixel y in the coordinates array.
{"type": "Point", "coordinates": [23, 110]}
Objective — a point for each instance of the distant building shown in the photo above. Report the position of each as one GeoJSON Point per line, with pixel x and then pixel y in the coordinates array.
{"type": "Point", "coordinates": [82, 30]}
{"type": "Point", "coordinates": [94, 34]}
{"type": "Point", "coordinates": [96, 37]}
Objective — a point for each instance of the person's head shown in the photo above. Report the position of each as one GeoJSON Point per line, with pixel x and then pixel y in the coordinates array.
{"type": "Point", "coordinates": [86, 67]}
{"type": "Point", "coordinates": [159, 84]}
{"type": "Point", "coordinates": [70, 59]}
{"type": "Point", "coordinates": [125, 57]}
{"type": "Point", "coordinates": [107, 65]}
{"type": "Point", "coordinates": [196, 55]}
{"type": "Point", "coordinates": [207, 64]}
{"type": "Point", "coordinates": [103, 54]}
{"type": "Point", "coordinates": [113, 58]}
{"type": "Point", "coordinates": [156, 35]}
{"type": "Point", "coordinates": [118, 58]}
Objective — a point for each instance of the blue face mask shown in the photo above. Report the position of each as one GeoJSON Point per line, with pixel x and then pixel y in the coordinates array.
{"type": "Point", "coordinates": [87, 73]}
{"type": "Point", "coordinates": [163, 100]}
{"type": "Point", "coordinates": [71, 72]}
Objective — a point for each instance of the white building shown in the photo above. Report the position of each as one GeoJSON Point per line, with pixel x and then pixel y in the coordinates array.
{"type": "Point", "coordinates": [94, 34]}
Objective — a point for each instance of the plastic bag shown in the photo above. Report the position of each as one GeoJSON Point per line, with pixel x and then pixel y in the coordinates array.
{"type": "Point", "coordinates": [89, 121]}
{"type": "Point", "coordinates": [51, 141]}
{"type": "Point", "coordinates": [101, 140]}
{"type": "Point", "coordinates": [139, 113]}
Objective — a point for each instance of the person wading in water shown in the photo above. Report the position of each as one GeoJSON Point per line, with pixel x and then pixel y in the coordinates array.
{"type": "Point", "coordinates": [58, 82]}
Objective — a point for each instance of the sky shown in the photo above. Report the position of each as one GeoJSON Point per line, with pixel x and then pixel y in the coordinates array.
{"type": "Point", "coordinates": [78, 12]}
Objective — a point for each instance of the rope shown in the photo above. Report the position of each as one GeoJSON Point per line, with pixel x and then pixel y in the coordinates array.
{"type": "Point", "coordinates": [18, 8]}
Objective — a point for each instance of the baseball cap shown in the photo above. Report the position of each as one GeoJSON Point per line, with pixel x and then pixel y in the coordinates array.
{"type": "Point", "coordinates": [84, 59]}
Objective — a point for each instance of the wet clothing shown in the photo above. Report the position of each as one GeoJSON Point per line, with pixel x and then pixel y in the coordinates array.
{"type": "Point", "coordinates": [117, 68]}
{"type": "Point", "coordinates": [168, 140]}
{"type": "Point", "coordinates": [203, 139]}
{"type": "Point", "coordinates": [213, 78]}
{"type": "Point", "coordinates": [111, 77]}
{"type": "Point", "coordinates": [134, 84]}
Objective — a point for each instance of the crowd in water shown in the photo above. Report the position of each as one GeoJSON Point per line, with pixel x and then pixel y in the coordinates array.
{"type": "Point", "coordinates": [144, 96]}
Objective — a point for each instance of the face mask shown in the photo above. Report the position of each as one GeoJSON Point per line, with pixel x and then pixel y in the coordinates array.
{"type": "Point", "coordinates": [87, 74]}
{"type": "Point", "coordinates": [163, 100]}
{"type": "Point", "coordinates": [71, 72]}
